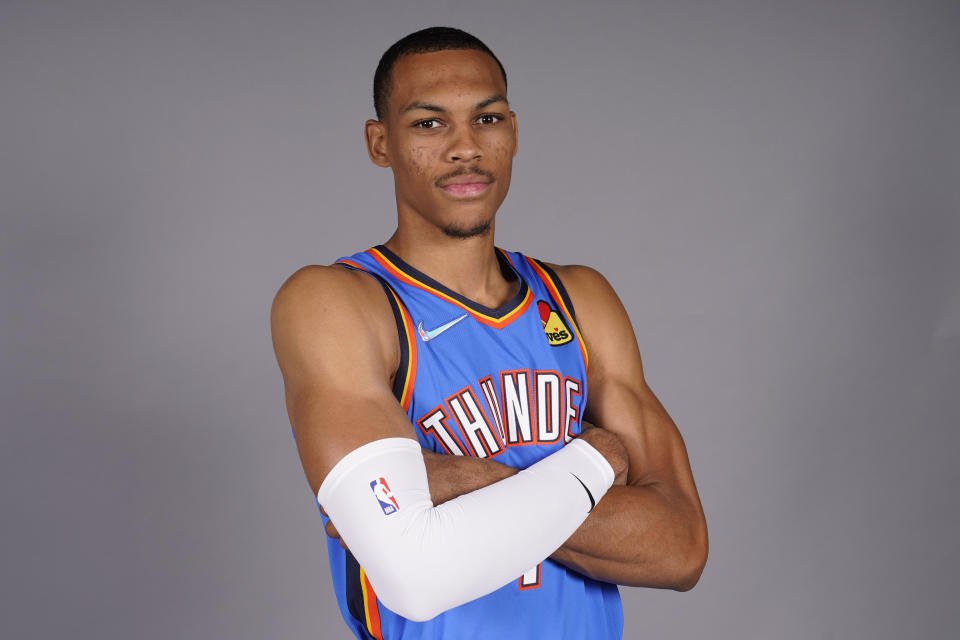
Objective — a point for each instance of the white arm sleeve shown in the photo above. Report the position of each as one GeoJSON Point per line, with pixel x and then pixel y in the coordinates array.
{"type": "Point", "coordinates": [422, 559]}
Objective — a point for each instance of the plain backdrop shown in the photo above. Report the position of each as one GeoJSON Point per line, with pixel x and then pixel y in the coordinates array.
{"type": "Point", "coordinates": [772, 188]}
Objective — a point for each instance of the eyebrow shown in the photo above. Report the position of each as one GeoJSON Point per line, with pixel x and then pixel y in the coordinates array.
{"type": "Point", "coordinates": [426, 106]}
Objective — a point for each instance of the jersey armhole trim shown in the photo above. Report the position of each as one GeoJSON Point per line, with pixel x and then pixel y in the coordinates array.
{"type": "Point", "coordinates": [407, 370]}
{"type": "Point", "coordinates": [559, 294]}
{"type": "Point", "coordinates": [361, 600]}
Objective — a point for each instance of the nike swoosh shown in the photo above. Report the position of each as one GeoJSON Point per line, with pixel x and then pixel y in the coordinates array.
{"type": "Point", "coordinates": [433, 333]}
{"type": "Point", "coordinates": [593, 502]}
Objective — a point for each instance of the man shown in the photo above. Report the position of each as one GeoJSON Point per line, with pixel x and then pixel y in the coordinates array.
{"type": "Point", "coordinates": [422, 374]}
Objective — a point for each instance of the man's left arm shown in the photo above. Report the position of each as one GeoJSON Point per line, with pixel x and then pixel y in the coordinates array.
{"type": "Point", "coordinates": [651, 532]}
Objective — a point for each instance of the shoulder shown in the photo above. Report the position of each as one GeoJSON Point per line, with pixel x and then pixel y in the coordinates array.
{"type": "Point", "coordinates": [327, 289]}
{"type": "Point", "coordinates": [602, 318]}
{"type": "Point", "coordinates": [577, 274]}
{"type": "Point", "coordinates": [328, 307]}
{"type": "Point", "coordinates": [333, 294]}
{"type": "Point", "coordinates": [588, 289]}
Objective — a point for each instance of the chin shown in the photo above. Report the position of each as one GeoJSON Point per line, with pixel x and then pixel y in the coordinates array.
{"type": "Point", "coordinates": [463, 231]}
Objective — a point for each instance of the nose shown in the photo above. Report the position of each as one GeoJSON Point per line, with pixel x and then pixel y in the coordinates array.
{"type": "Point", "coordinates": [463, 145]}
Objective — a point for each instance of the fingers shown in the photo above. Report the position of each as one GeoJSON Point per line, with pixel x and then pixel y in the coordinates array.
{"type": "Point", "coordinates": [333, 533]}
{"type": "Point", "coordinates": [610, 447]}
{"type": "Point", "coordinates": [332, 530]}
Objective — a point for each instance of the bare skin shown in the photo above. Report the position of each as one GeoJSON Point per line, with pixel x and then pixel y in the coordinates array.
{"type": "Point", "coordinates": [337, 346]}
{"type": "Point", "coordinates": [649, 533]}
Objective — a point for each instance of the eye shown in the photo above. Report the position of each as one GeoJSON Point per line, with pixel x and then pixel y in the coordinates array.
{"type": "Point", "coordinates": [489, 118]}
{"type": "Point", "coordinates": [431, 123]}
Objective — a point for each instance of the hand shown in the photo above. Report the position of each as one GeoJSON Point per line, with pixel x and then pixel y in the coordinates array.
{"type": "Point", "coordinates": [610, 447]}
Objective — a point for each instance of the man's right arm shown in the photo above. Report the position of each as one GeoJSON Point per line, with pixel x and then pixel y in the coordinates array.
{"type": "Point", "coordinates": [336, 345]}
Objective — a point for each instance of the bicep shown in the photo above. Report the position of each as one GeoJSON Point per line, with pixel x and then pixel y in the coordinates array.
{"type": "Point", "coordinates": [655, 448]}
{"type": "Point", "coordinates": [620, 399]}
{"type": "Point", "coordinates": [335, 354]}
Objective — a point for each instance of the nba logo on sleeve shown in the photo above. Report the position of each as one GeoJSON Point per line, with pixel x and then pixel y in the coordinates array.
{"type": "Point", "coordinates": [384, 496]}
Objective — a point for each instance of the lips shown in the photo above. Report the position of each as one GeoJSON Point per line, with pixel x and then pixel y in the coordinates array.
{"type": "Point", "coordinates": [466, 189]}
{"type": "Point", "coordinates": [466, 185]}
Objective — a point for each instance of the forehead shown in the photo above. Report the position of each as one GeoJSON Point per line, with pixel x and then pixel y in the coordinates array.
{"type": "Point", "coordinates": [444, 77]}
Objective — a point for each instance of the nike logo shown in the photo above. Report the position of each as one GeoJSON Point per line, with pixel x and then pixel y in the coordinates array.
{"type": "Point", "coordinates": [433, 333]}
{"type": "Point", "coordinates": [593, 502]}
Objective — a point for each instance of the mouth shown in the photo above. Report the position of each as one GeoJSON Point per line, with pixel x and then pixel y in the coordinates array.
{"type": "Point", "coordinates": [466, 184]}
{"type": "Point", "coordinates": [467, 189]}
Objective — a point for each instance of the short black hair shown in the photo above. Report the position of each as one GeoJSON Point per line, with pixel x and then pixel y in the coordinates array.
{"type": "Point", "coordinates": [424, 41]}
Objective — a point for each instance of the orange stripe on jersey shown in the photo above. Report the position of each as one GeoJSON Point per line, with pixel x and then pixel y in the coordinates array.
{"type": "Point", "coordinates": [370, 607]}
{"type": "Point", "coordinates": [351, 263]}
{"type": "Point", "coordinates": [496, 323]}
{"type": "Point", "coordinates": [408, 334]}
{"type": "Point", "coordinates": [411, 373]}
{"type": "Point", "coordinates": [558, 299]}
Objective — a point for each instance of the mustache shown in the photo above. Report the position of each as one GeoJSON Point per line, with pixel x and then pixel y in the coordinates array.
{"type": "Point", "coordinates": [465, 171]}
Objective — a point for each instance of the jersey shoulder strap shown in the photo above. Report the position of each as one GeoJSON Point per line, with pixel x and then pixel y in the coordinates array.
{"type": "Point", "coordinates": [545, 282]}
{"type": "Point", "coordinates": [407, 370]}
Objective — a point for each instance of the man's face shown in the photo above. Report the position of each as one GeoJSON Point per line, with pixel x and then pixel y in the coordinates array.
{"type": "Point", "coordinates": [450, 138]}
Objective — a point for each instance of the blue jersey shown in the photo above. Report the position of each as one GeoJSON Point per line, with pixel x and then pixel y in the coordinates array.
{"type": "Point", "coordinates": [507, 384]}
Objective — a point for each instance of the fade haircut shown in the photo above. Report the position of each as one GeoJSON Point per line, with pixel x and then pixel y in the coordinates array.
{"type": "Point", "coordinates": [426, 40]}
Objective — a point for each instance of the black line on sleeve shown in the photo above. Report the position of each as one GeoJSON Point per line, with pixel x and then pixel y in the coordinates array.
{"type": "Point", "coordinates": [593, 502]}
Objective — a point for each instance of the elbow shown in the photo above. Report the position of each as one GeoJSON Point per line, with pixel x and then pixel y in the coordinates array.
{"type": "Point", "coordinates": [678, 565]}
{"type": "Point", "coordinates": [404, 599]}
{"type": "Point", "coordinates": [412, 607]}
{"type": "Point", "coordinates": [693, 558]}
{"type": "Point", "coordinates": [401, 589]}
{"type": "Point", "coordinates": [690, 576]}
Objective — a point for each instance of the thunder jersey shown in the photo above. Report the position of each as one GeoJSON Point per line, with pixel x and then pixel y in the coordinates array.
{"type": "Point", "coordinates": [507, 384]}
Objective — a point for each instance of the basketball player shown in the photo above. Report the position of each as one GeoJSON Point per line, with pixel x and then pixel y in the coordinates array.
{"type": "Point", "coordinates": [439, 387]}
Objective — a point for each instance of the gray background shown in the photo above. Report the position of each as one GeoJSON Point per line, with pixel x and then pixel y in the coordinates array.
{"type": "Point", "coordinates": [772, 187]}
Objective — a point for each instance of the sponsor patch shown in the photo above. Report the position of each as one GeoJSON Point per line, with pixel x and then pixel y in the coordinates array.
{"type": "Point", "coordinates": [553, 325]}
{"type": "Point", "coordinates": [384, 496]}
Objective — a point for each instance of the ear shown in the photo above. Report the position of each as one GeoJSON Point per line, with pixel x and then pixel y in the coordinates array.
{"type": "Point", "coordinates": [516, 139]}
{"type": "Point", "coordinates": [376, 135]}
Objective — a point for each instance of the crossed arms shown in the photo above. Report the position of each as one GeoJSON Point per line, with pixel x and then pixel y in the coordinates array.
{"type": "Point", "coordinates": [337, 347]}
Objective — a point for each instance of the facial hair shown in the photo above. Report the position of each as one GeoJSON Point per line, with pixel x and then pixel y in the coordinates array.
{"type": "Point", "coordinates": [480, 229]}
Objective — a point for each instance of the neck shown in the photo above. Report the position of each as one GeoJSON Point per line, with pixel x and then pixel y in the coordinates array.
{"type": "Point", "coordinates": [468, 266]}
